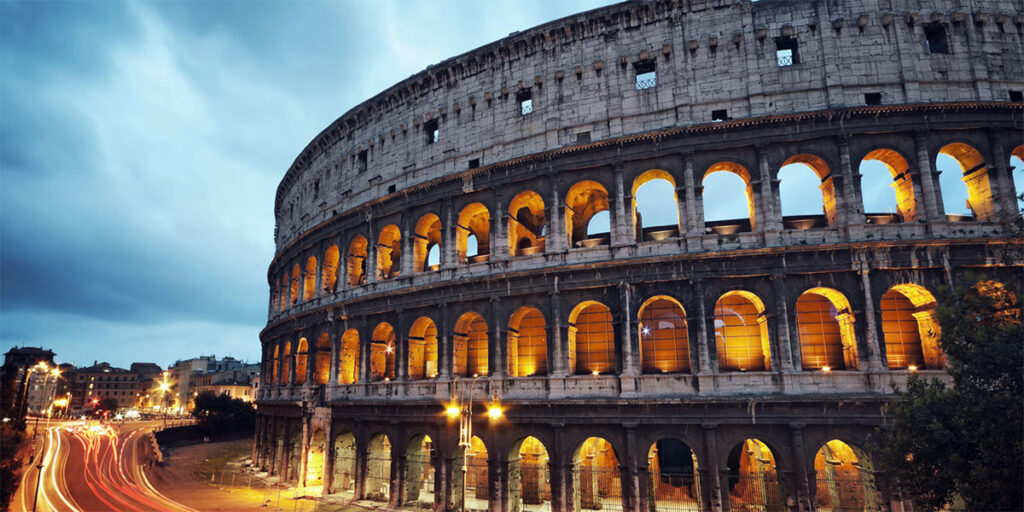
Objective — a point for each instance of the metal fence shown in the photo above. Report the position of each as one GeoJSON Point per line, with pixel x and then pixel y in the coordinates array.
{"type": "Point", "coordinates": [599, 489]}
{"type": "Point", "coordinates": [756, 494]}
{"type": "Point", "coordinates": [646, 83]}
{"type": "Point", "coordinates": [840, 494]}
{"type": "Point", "coordinates": [674, 492]}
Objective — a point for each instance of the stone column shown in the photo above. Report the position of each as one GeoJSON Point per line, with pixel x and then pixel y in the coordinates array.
{"type": "Point", "coordinates": [371, 262]}
{"type": "Point", "coordinates": [630, 350]}
{"type": "Point", "coordinates": [799, 466]}
{"type": "Point", "coordinates": [694, 219]}
{"type": "Point", "coordinates": [364, 351]}
{"type": "Point", "coordinates": [631, 475]}
{"type": "Point", "coordinates": [408, 245]}
{"type": "Point", "coordinates": [622, 233]}
{"type": "Point", "coordinates": [361, 449]}
{"type": "Point", "coordinates": [328, 477]}
{"type": "Point", "coordinates": [555, 242]}
{"type": "Point", "coordinates": [874, 355]}
{"type": "Point", "coordinates": [784, 344]}
{"type": "Point", "coordinates": [1000, 178]}
{"type": "Point", "coordinates": [448, 227]}
{"type": "Point", "coordinates": [932, 201]}
{"type": "Point", "coordinates": [398, 465]}
{"type": "Point", "coordinates": [558, 354]}
{"type": "Point", "coordinates": [401, 346]}
{"type": "Point", "coordinates": [445, 345]}
{"type": "Point", "coordinates": [498, 468]}
{"type": "Point", "coordinates": [560, 472]}
{"type": "Point", "coordinates": [851, 211]}
{"type": "Point", "coordinates": [766, 195]}
{"type": "Point", "coordinates": [495, 344]}
{"type": "Point", "coordinates": [319, 271]}
{"type": "Point", "coordinates": [712, 491]}
{"type": "Point", "coordinates": [499, 230]}
{"type": "Point", "coordinates": [337, 328]}
{"type": "Point", "coordinates": [304, 448]}
{"type": "Point", "coordinates": [312, 336]}
{"type": "Point", "coordinates": [704, 337]}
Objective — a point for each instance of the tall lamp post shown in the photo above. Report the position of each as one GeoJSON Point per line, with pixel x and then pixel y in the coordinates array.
{"type": "Point", "coordinates": [465, 414]}
{"type": "Point", "coordinates": [165, 387]}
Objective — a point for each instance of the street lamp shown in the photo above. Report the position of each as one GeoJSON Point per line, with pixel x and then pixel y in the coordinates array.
{"type": "Point", "coordinates": [465, 414]}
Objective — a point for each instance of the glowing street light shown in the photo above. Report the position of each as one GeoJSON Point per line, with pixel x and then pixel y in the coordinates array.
{"type": "Point", "coordinates": [464, 412]}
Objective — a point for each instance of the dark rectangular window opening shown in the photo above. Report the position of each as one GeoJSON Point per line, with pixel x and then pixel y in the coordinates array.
{"type": "Point", "coordinates": [786, 51]}
{"type": "Point", "coordinates": [474, 163]}
{"type": "Point", "coordinates": [391, 189]}
{"type": "Point", "coordinates": [363, 157]}
{"type": "Point", "coordinates": [935, 38]}
{"type": "Point", "coordinates": [1016, 95]}
{"type": "Point", "coordinates": [433, 131]}
{"type": "Point", "coordinates": [583, 138]}
{"type": "Point", "coordinates": [646, 74]}
{"type": "Point", "coordinates": [525, 100]}
{"type": "Point", "coordinates": [720, 115]}
{"type": "Point", "coordinates": [873, 98]}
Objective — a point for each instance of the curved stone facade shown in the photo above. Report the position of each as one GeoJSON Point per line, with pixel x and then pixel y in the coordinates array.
{"type": "Point", "coordinates": [434, 243]}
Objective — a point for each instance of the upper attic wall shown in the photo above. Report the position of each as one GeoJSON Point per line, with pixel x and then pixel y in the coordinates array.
{"type": "Point", "coordinates": [709, 56]}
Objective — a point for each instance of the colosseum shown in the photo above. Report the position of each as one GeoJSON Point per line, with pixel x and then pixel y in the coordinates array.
{"type": "Point", "coordinates": [477, 302]}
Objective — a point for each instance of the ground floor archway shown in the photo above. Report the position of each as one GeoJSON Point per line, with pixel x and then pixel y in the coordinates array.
{"type": "Point", "coordinates": [753, 482]}
{"type": "Point", "coordinates": [529, 480]}
{"type": "Point", "coordinates": [472, 464]}
{"type": "Point", "coordinates": [316, 458]}
{"type": "Point", "coordinates": [673, 485]}
{"type": "Point", "coordinates": [378, 469]}
{"type": "Point", "coordinates": [844, 479]}
{"type": "Point", "coordinates": [419, 473]}
{"type": "Point", "coordinates": [596, 477]}
{"type": "Point", "coordinates": [344, 480]}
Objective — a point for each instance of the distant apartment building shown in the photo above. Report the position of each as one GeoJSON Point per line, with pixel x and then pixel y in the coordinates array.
{"type": "Point", "coordinates": [192, 376]}
{"type": "Point", "coordinates": [101, 380]}
{"type": "Point", "coordinates": [17, 361]}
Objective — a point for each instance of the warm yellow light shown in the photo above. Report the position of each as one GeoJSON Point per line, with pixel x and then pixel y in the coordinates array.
{"type": "Point", "coordinates": [595, 373]}
{"type": "Point", "coordinates": [494, 411]}
{"type": "Point", "coordinates": [826, 369]}
{"type": "Point", "coordinates": [165, 386]}
{"type": "Point", "coordinates": [60, 402]}
{"type": "Point", "coordinates": [452, 411]}
{"type": "Point", "coordinates": [912, 367]}
{"type": "Point", "coordinates": [389, 349]}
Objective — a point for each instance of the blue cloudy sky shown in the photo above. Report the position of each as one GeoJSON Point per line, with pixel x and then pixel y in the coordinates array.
{"type": "Point", "coordinates": [141, 145]}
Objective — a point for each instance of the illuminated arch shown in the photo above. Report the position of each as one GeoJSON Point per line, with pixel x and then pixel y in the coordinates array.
{"type": "Point", "coordinates": [344, 465]}
{"type": "Point", "coordinates": [428, 236]}
{"type": "Point", "coordinates": [754, 482]}
{"type": "Point", "coordinates": [282, 302]}
{"type": "Point", "coordinates": [664, 342]}
{"type": "Point", "coordinates": [357, 261]}
{"type": "Point", "coordinates": [423, 349]}
{"type": "Point", "coordinates": [301, 362]}
{"type": "Point", "coordinates": [475, 222]}
{"type": "Point", "coordinates": [476, 490]}
{"type": "Point", "coordinates": [526, 224]}
{"type": "Point", "coordinates": [673, 471]}
{"type": "Point", "coordinates": [470, 347]}
{"type": "Point", "coordinates": [275, 375]}
{"type": "Point", "coordinates": [527, 343]}
{"type": "Point", "coordinates": [293, 298]}
{"type": "Point", "coordinates": [901, 182]}
{"type": "Point", "coordinates": [824, 321]}
{"type": "Point", "coordinates": [974, 174]}
{"type": "Point", "coordinates": [591, 339]}
{"type": "Point", "coordinates": [845, 478]}
{"type": "Point", "coordinates": [378, 468]}
{"type": "Point", "coordinates": [824, 174]}
{"type": "Point", "coordinates": [348, 358]}
{"type": "Point", "coordinates": [529, 459]}
{"type": "Point", "coordinates": [389, 252]}
{"type": "Point", "coordinates": [329, 280]}
{"type": "Point", "coordinates": [664, 199]}
{"type": "Point", "coordinates": [309, 279]}
{"type": "Point", "coordinates": [584, 200]}
{"type": "Point", "coordinates": [288, 360]}
{"type": "Point", "coordinates": [910, 328]}
{"type": "Point", "coordinates": [741, 333]}
{"type": "Point", "coordinates": [315, 458]}
{"type": "Point", "coordinates": [727, 226]}
{"type": "Point", "coordinates": [419, 469]}
{"type": "Point", "coordinates": [382, 353]}
{"type": "Point", "coordinates": [1017, 171]}
{"type": "Point", "coordinates": [596, 478]}
{"type": "Point", "coordinates": [322, 360]}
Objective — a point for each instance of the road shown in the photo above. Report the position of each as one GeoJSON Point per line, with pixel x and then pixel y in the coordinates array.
{"type": "Point", "coordinates": [93, 468]}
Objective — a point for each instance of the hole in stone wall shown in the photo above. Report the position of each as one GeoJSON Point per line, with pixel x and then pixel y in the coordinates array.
{"type": "Point", "coordinates": [873, 98]}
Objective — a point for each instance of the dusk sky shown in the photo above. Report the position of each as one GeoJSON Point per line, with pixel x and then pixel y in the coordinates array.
{"type": "Point", "coordinates": [141, 145]}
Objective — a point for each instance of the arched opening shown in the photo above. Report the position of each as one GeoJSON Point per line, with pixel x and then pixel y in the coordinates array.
{"type": "Point", "coordinates": [470, 345]}
{"type": "Point", "coordinates": [591, 339]}
{"type": "Point", "coordinates": [282, 300]}
{"type": "Point", "coordinates": [655, 206]}
{"type": "Point", "coordinates": [799, 176]}
{"type": "Point", "coordinates": [329, 281]}
{"type": "Point", "coordinates": [419, 473]}
{"type": "Point", "coordinates": [274, 377]}
{"type": "Point", "coordinates": [378, 469]}
{"type": "Point", "coordinates": [672, 467]}
{"type": "Point", "coordinates": [526, 224]}
{"type": "Point", "coordinates": [664, 342]}
{"type": "Point", "coordinates": [476, 479]}
{"type": "Point", "coordinates": [528, 476]}
{"type": "Point", "coordinates": [1017, 171]}
{"type": "Point", "coordinates": [753, 478]}
{"type": "Point", "coordinates": [357, 261]}
{"type": "Point", "coordinates": [348, 358]}
{"type": "Point", "coordinates": [301, 360]}
{"type": "Point", "coordinates": [423, 349]}
{"type": "Point", "coordinates": [596, 479]}
{"type": "Point", "coordinates": [824, 320]}
{"type": "Point", "coordinates": [972, 196]}
{"type": "Point", "coordinates": [584, 201]}
{"type": "Point", "coordinates": [882, 172]}
{"type": "Point", "coordinates": [293, 454]}
{"type": "Point", "coordinates": [322, 370]}
{"type": "Point", "coordinates": [741, 333]}
{"type": "Point", "coordinates": [315, 458]}
{"type": "Point", "coordinates": [294, 292]}
{"type": "Point", "coordinates": [845, 479]}
{"type": "Point", "coordinates": [344, 481]}
{"type": "Point", "coordinates": [286, 372]}
{"type": "Point", "coordinates": [527, 343]}
{"type": "Point", "coordinates": [910, 328]}
{"type": "Point", "coordinates": [309, 279]}
{"type": "Point", "coordinates": [722, 184]}
{"type": "Point", "coordinates": [428, 238]}
{"type": "Point", "coordinates": [389, 252]}
{"type": "Point", "coordinates": [382, 353]}
{"type": "Point", "coordinates": [473, 234]}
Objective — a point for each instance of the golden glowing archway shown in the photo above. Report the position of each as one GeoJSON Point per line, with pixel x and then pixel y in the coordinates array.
{"type": "Point", "coordinates": [423, 349]}
{"type": "Point", "coordinates": [288, 359]}
{"type": "Point", "coordinates": [470, 347]}
{"type": "Point", "coordinates": [309, 279]}
{"type": "Point", "coordinates": [664, 342]}
{"type": "Point", "coordinates": [329, 280]}
{"type": "Point", "coordinates": [322, 359]}
{"type": "Point", "coordinates": [529, 458]}
{"type": "Point", "coordinates": [526, 224]}
{"type": "Point", "coordinates": [744, 174]}
{"type": "Point", "coordinates": [673, 470]}
{"type": "Point", "coordinates": [845, 478]}
{"type": "Point", "coordinates": [527, 343]}
{"type": "Point", "coordinates": [382, 353]}
{"type": "Point", "coordinates": [975, 177]}
{"type": "Point", "coordinates": [597, 480]}
{"type": "Point", "coordinates": [294, 292]}
{"type": "Point", "coordinates": [753, 481]}
{"type": "Point", "coordinates": [301, 361]}
{"type": "Point", "coordinates": [428, 236]}
{"type": "Point", "coordinates": [316, 457]}
{"type": "Point", "coordinates": [824, 321]}
{"type": "Point", "coordinates": [389, 252]}
{"type": "Point", "coordinates": [275, 376]}
{"type": "Point", "coordinates": [741, 333]}
{"type": "Point", "coordinates": [474, 221]}
{"type": "Point", "coordinates": [902, 181]}
{"type": "Point", "coordinates": [348, 358]}
{"type": "Point", "coordinates": [357, 261]}
{"type": "Point", "coordinates": [910, 328]}
{"type": "Point", "coordinates": [591, 339]}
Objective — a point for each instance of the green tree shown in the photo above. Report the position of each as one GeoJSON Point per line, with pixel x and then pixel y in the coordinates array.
{"type": "Point", "coordinates": [219, 413]}
{"type": "Point", "coordinates": [964, 444]}
{"type": "Point", "coordinates": [12, 454]}
{"type": "Point", "coordinates": [106, 404]}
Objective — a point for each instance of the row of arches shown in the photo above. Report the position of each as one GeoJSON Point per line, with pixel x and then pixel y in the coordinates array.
{"type": "Point", "coordinates": [825, 331]}
{"type": "Point", "coordinates": [656, 214]}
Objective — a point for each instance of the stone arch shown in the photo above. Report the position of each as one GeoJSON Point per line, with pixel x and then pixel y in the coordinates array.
{"type": "Point", "coordinates": [529, 485]}
{"type": "Point", "coordinates": [1017, 173]}
{"type": "Point", "coordinates": [348, 358]}
{"type": "Point", "coordinates": [382, 353]}
{"type": "Point", "coordinates": [824, 321]}
{"type": "Point", "coordinates": [301, 361]}
{"type": "Point", "coordinates": [901, 181]}
{"type": "Point", "coordinates": [741, 332]}
{"type": "Point", "coordinates": [663, 199]}
{"type": "Point", "coordinates": [419, 472]}
{"type": "Point", "coordinates": [591, 338]}
{"type": "Point", "coordinates": [662, 331]}
{"type": "Point", "coordinates": [673, 473]}
{"type": "Point", "coordinates": [357, 261]}
{"type": "Point", "coordinates": [474, 225]}
{"type": "Point", "coordinates": [596, 477]}
{"type": "Point", "coordinates": [526, 224]}
{"type": "Point", "coordinates": [753, 481]}
{"type": "Point", "coordinates": [473, 463]}
{"type": "Point", "coordinates": [844, 478]}
{"type": "Point", "coordinates": [294, 288]}
{"type": "Point", "coordinates": [309, 279]}
{"type": "Point", "coordinates": [288, 359]}
{"type": "Point", "coordinates": [389, 252]}
{"type": "Point", "coordinates": [378, 468]}
{"type": "Point", "coordinates": [275, 376]}
{"type": "Point", "coordinates": [282, 293]}
{"type": "Point", "coordinates": [910, 328]}
{"type": "Point", "coordinates": [975, 178]}
{"type": "Point", "coordinates": [344, 481]}
{"type": "Point", "coordinates": [427, 237]}
{"type": "Point", "coordinates": [322, 360]}
{"type": "Point", "coordinates": [730, 226]}
{"type": "Point", "coordinates": [423, 349]}
{"type": "Point", "coordinates": [527, 343]}
{"type": "Point", "coordinates": [583, 202]}
{"type": "Point", "coordinates": [315, 458]}
{"type": "Point", "coordinates": [470, 345]}
{"type": "Point", "coordinates": [828, 194]}
{"type": "Point", "coordinates": [329, 279]}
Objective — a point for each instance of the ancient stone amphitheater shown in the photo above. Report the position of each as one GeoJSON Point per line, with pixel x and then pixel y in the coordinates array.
{"type": "Point", "coordinates": [437, 260]}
